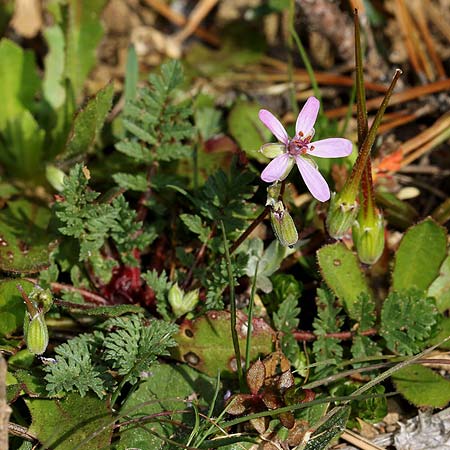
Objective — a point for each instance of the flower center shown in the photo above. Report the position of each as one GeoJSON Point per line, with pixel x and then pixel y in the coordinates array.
{"type": "Point", "coordinates": [299, 145]}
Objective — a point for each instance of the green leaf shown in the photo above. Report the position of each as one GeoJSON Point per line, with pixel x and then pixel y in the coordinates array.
{"type": "Point", "coordinates": [268, 259]}
{"type": "Point", "coordinates": [160, 285]}
{"type": "Point", "coordinates": [206, 344]}
{"type": "Point", "coordinates": [53, 84]}
{"type": "Point", "coordinates": [422, 386]}
{"type": "Point", "coordinates": [327, 321]}
{"type": "Point", "coordinates": [194, 223]}
{"type": "Point", "coordinates": [364, 312]}
{"type": "Point", "coordinates": [408, 319]}
{"type": "Point", "coordinates": [341, 271]}
{"type": "Point", "coordinates": [131, 74]}
{"type": "Point", "coordinates": [419, 256]}
{"type": "Point", "coordinates": [88, 122]}
{"type": "Point", "coordinates": [164, 390]}
{"type": "Point", "coordinates": [12, 308]}
{"type": "Point", "coordinates": [440, 287]}
{"type": "Point", "coordinates": [247, 129]}
{"type": "Point", "coordinates": [331, 428]}
{"type": "Point", "coordinates": [21, 148]}
{"type": "Point", "coordinates": [83, 33]}
{"type": "Point", "coordinates": [19, 81]}
{"type": "Point", "coordinates": [74, 369]}
{"type": "Point", "coordinates": [287, 292]}
{"type": "Point", "coordinates": [442, 333]}
{"type": "Point", "coordinates": [67, 423]}
{"type": "Point", "coordinates": [132, 347]}
{"type": "Point", "coordinates": [25, 242]}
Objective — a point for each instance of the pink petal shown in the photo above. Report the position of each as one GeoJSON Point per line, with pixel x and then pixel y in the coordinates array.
{"type": "Point", "coordinates": [307, 116]}
{"type": "Point", "coordinates": [274, 125]}
{"type": "Point", "coordinates": [277, 168]}
{"type": "Point", "coordinates": [330, 148]}
{"type": "Point", "coordinates": [314, 181]}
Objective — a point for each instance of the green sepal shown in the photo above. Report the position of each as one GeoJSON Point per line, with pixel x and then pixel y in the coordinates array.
{"type": "Point", "coordinates": [283, 225]}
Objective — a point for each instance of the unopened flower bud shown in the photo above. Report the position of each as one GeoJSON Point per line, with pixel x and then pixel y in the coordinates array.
{"type": "Point", "coordinates": [36, 333]}
{"type": "Point", "coordinates": [55, 177]}
{"type": "Point", "coordinates": [283, 225]}
{"type": "Point", "coordinates": [190, 301]}
{"type": "Point", "coordinates": [180, 302]}
{"type": "Point", "coordinates": [341, 215]}
{"type": "Point", "coordinates": [368, 236]}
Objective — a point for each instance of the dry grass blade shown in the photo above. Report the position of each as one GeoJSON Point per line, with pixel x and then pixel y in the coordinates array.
{"type": "Point", "coordinates": [407, 31]}
{"type": "Point", "coordinates": [178, 19]}
{"type": "Point", "coordinates": [358, 441]}
{"type": "Point", "coordinates": [397, 98]}
{"type": "Point", "coordinates": [420, 16]}
{"type": "Point", "coordinates": [200, 11]}
{"type": "Point", "coordinates": [417, 146]}
{"type": "Point", "coordinates": [324, 78]}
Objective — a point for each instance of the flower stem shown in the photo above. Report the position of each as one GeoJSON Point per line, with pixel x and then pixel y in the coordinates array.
{"type": "Point", "coordinates": [234, 337]}
{"type": "Point", "coordinates": [351, 188]}
{"type": "Point", "coordinates": [251, 227]}
{"type": "Point", "coordinates": [256, 222]}
{"type": "Point", "coordinates": [250, 319]}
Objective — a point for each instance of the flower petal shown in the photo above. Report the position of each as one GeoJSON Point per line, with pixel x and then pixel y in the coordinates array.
{"type": "Point", "coordinates": [274, 125]}
{"type": "Point", "coordinates": [330, 148]}
{"type": "Point", "coordinates": [307, 116]}
{"type": "Point", "coordinates": [278, 168]}
{"type": "Point", "coordinates": [314, 181]}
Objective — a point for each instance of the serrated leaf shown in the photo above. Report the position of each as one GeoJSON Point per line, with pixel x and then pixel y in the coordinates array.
{"type": "Point", "coordinates": [195, 224]}
{"type": "Point", "coordinates": [363, 347]}
{"type": "Point", "coordinates": [440, 287]}
{"type": "Point", "coordinates": [422, 386]}
{"type": "Point", "coordinates": [64, 424]}
{"type": "Point", "coordinates": [408, 318]}
{"type": "Point", "coordinates": [12, 308]}
{"type": "Point", "coordinates": [74, 370]}
{"type": "Point", "coordinates": [364, 312]}
{"type": "Point", "coordinates": [341, 271]}
{"type": "Point", "coordinates": [247, 129]}
{"type": "Point", "coordinates": [131, 182]}
{"type": "Point", "coordinates": [88, 122]}
{"type": "Point", "coordinates": [419, 256]}
{"type": "Point", "coordinates": [24, 240]}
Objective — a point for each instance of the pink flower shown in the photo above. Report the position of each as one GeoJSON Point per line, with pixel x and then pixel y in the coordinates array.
{"type": "Point", "coordinates": [299, 148]}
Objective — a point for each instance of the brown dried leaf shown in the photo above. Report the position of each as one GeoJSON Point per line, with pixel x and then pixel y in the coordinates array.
{"type": "Point", "coordinates": [255, 376]}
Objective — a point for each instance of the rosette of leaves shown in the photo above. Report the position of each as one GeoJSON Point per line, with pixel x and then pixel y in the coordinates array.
{"type": "Point", "coordinates": [272, 385]}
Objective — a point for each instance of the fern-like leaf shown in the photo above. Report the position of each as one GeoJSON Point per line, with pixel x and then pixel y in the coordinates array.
{"type": "Point", "coordinates": [408, 320]}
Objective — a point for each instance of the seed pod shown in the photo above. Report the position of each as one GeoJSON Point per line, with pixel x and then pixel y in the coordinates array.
{"type": "Point", "coordinates": [341, 216]}
{"type": "Point", "coordinates": [36, 333]}
{"type": "Point", "coordinates": [368, 236]}
{"type": "Point", "coordinates": [283, 225]}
